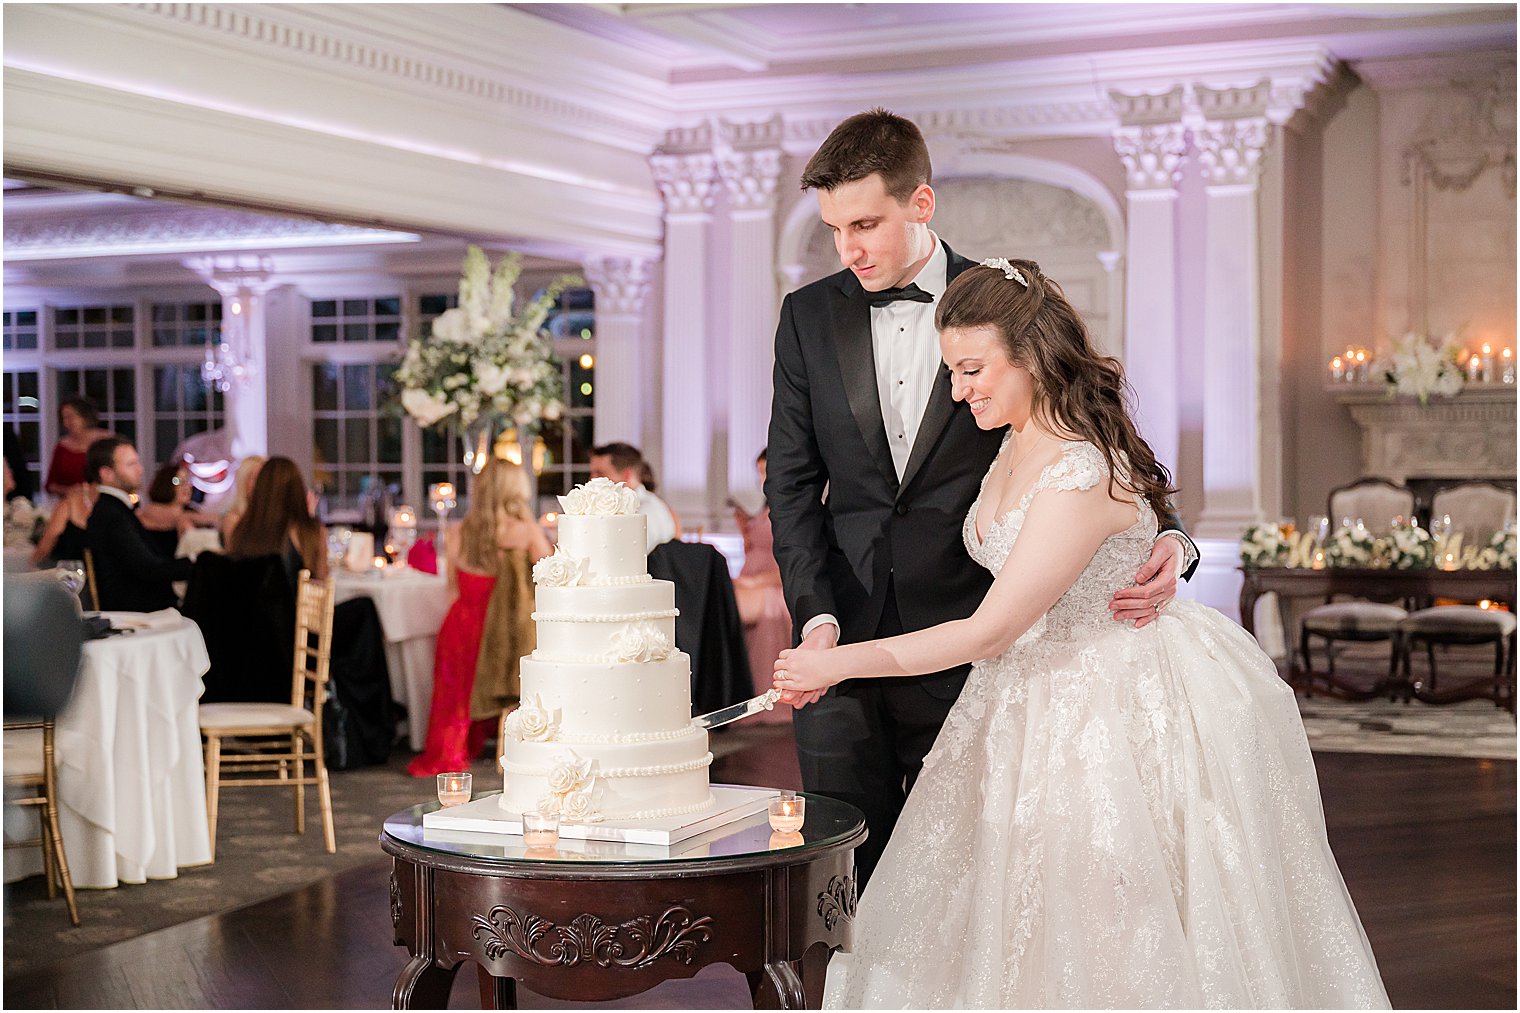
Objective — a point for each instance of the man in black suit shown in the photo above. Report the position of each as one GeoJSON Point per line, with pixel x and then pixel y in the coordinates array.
{"type": "Point", "coordinates": [872, 470]}
{"type": "Point", "coordinates": [130, 576]}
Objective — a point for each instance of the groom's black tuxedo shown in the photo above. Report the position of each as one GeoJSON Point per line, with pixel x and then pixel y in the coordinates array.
{"type": "Point", "coordinates": [883, 556]}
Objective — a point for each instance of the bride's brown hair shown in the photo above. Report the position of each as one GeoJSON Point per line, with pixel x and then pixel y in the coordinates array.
{"type": "Point", "coordinates": [1076, 388]}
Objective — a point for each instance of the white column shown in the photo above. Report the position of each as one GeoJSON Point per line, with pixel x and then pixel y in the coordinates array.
{"type": "Point", "coordinates": [242, 352]}
{"type": "Point", "coordinates": [1152, 144]}
{"type": "Point", "coordinates": [749, 168]}
{"type": "Point", "coordinates": [686, 179]}
{"type": "Point", "coordinates": [621, 287]}
{"type": "Point", "coordinates": [1229, 152]}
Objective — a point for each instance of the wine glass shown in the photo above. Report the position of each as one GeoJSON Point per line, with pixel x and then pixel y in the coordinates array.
{"type": "Point", "coordinates": [1319, 527]}
{"type": "Point", "coordinates": [71, 574]}
{"type": "Point", "coordinates": [337, 545]}
{"type": "Point", "coordinates": [1440, 529]}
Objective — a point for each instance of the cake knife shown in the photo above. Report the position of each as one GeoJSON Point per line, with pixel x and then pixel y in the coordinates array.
{"type": "Point", "coordinates": [722, 716]}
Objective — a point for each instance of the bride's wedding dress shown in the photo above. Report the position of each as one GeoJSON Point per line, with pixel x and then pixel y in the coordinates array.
{"type": "Point", "coordinates": [1111, 817]}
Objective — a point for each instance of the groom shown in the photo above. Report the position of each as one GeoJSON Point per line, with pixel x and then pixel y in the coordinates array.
{"type": "Point", "coordinates": [872, 471]}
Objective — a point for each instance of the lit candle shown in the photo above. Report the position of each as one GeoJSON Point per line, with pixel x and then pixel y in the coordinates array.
{"type": "Point", "coordinates": [1319, 559]}
{"type": "Point", "coordinates": [540, 830]}
{"type": "Point", "coordinates": [1507, 365]}
{"type": "Point", "coordinates": [1474, 369]}
{"type": "Point", "coordinates": [454, 788]}
{"type": "Point", "coordinates": [379, 564]}
{"type": "Point", "coordinates": [786, 812]}
{"type": "Point", "coordinates": [1337, 369]}
{"type": "Point", "coordinates": [1361, 365]}
{"type": "Point", "coordinates": [1488, 363]}
{"type": "Point", "coordinates": [1485, 604]}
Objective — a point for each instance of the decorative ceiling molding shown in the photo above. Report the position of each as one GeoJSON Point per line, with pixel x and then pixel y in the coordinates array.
{"type": "Point", "coordinates": [178, 231]}
{"type": "Point", "coordinates": [258, 25]}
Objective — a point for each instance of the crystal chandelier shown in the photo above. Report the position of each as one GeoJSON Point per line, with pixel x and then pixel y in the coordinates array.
{"type": "Point", "coordinates": [229, 361]}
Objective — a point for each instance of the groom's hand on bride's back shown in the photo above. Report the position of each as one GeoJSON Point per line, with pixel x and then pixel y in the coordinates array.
{"type": "Point", "coordinates": [1155, 585]}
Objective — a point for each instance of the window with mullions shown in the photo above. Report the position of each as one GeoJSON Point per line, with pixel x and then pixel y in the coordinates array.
{"type": "Point", "coordinates": [183, 405]}
{"type": "Point", "coordinates": [356, 435]}
{"type": "Point", "coordinates": [113, 390]}
{"type": "Point", "coordinates": [346, 321]}
{"type": "Point", "coordinates": [23, 415]}
{"type": "Point", "coordinates": [20, 330]}
{"type": "Point", "coordinates": [93, 327]}
{"type": "Point", "coordinates": [187, 324]}
{"type": "Point", "coordinates": [568, 440]}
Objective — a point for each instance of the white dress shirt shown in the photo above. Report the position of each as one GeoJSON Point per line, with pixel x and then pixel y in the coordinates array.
{"type": "Point", "coordinates": [659, 522]}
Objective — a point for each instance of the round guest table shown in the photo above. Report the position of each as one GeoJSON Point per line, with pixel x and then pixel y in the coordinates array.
{"type": "Point", "coordinates": [591, 921]}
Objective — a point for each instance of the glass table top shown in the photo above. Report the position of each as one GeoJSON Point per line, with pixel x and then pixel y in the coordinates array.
{"type": "Point", "coordinates": [828, 823]}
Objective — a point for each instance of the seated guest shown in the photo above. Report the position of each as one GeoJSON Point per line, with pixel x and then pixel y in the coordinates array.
{"type": "Point", "coordinates": [130, 574]}
{"type": "Point", "coordinates": [622, 462]}
{"type": "Point", "coordinates": [247, 473]}
{"type": "Point", "coordinates": [80, 421]}
{"type": "Point", "coordinates": [64, 537]}
{"type": "Point", "coordinates": [279, 522]}
{"type": "Point", "coordinates": [164, 516]}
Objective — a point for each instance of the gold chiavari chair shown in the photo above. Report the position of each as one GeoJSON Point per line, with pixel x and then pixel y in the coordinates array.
{"type": "Point", "coordinates": [29, 767]}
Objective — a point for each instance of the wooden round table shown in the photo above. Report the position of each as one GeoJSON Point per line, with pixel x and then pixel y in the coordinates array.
{"type": "Point", "coordinates": [596, 920]}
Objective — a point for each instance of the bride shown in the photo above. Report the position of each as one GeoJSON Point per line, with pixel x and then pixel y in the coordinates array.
{"type": "Point", "coordinates": [1111, 816]}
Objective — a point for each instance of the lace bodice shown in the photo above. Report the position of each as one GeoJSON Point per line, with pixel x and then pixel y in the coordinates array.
{"type": "Point", "coordinates": [1113, 566]}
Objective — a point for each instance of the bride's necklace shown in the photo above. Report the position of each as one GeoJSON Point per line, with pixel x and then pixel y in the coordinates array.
{"type": "Point", "coordinates": [1032, 444]}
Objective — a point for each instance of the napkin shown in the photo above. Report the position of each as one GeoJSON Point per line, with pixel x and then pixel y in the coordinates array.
{"type": "Point", "coordinates": [163, 619]}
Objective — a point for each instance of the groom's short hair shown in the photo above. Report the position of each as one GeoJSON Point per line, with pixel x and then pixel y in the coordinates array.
{"type": "Point", "coordinates": [877, 141]}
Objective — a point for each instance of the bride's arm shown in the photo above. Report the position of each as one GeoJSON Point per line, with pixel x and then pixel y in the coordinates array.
{"type": "Point", "coordinates": [1060, 534]}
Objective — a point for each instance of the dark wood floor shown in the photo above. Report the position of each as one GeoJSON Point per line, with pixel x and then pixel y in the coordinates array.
{"type": "Point", "coordinates": [1427, 846]}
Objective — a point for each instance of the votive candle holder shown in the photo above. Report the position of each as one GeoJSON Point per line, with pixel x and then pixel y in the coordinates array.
{"type": "Point", "coordinates": [540, 830]}
{"type": "Point", "coordinates": [454, 788]}
{"type": "Point", "coordinates": [787, 812]}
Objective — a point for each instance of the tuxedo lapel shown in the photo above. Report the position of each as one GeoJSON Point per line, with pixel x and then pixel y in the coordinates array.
{"type": "Point", "coordinates": [940, 408]}
{"type": "Point", "coordinates": [857, 365]}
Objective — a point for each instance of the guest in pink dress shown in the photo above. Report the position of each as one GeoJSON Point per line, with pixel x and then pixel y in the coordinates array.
{"type": "Point", "coordinates": [489, 559]}
{"type": "Point", "coordinates": [762, 607]}
{"type": "Point", "coordinates": [80, 421]}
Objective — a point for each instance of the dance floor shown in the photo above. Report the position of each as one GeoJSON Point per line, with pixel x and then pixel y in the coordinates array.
{"type": "Point", "coordinates": [1426, 843]}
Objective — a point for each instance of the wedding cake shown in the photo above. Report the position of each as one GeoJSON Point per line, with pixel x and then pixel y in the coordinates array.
{"type": "Point", "coordinates": [604, 729]}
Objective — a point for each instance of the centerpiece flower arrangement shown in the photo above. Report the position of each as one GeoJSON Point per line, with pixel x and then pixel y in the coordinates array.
{"type": "Point", "coordinates": [1500, 552]}
{"type": "Point", "coordinates": [1419, 367]}
{"type": "Point", "coordinates": [485, 359]}
{"type": "Point", "coordinates": [1263, 545]}
{"type": "Point", "coordinates": [1353, 546]}
{"type": "Point", "coordinates": [1407, 547]}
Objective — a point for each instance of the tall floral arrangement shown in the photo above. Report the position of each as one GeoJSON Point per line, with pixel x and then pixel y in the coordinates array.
{"type": "Point", "coordinates": [1419, 367]}
{"type": "Point", "coordinates": [485, 357]}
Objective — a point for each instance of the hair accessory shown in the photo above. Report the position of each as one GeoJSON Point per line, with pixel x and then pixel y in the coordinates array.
{"type": "Point", "coordinates": [1009, 271]}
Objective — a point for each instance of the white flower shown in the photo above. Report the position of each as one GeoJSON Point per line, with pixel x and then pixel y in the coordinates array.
{"type": "Point", "coordinates": [1352, 546]}
{"type": "Point", "coordinates": [490, 379]}
{"type": "Point", "coordinates": [569, 773]}
{"type": "Point", "coordinates": [1262, 545]}
{"type": "Point", "coordinates": [600, 497]}
{"type": "Point", "coordinates": [578, 806]}
{"type": "Point", "coordinates": [1502, 545]}
{"type": "Point", "coordinates": [531, 722]}
{"type": "Point", "coordinates": [1416, 367]}
{"type": "Point", "coordinates": [640, 643]}
{"type": "Point", "coordinates": [452, 325]}
{"type": "Point", "coordinates": [1408, 546]}
{"type": "Point", "coordinates": [559, 570]}
{"type": "Point", "coordinates": [425, 407]}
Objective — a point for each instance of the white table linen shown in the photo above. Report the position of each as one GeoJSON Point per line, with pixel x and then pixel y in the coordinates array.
{"type": "Point", "coordinates": [411, 605]}
{"type": "Point", "coordinates": [131, 783]}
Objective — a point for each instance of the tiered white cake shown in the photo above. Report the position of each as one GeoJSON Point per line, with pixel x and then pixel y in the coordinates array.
{"type": "Point", "coordinates": [604, 730]}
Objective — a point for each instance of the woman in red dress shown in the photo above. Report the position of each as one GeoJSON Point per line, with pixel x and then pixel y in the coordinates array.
{"type": "Point", "coordinates": [80, 421]}
{"type": "Point", "coordinates": [489, 561]}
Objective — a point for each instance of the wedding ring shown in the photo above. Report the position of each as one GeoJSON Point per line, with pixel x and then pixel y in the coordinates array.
{"type": "Point", "coordinates": [1157, 606]}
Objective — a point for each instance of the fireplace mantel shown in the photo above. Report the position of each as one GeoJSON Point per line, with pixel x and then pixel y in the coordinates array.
{"type": "Point", "coordinates": [1469, 436]}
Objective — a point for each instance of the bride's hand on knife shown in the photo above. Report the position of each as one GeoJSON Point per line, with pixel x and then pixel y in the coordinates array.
{"type": "Point", "coordinates": [803, 675]}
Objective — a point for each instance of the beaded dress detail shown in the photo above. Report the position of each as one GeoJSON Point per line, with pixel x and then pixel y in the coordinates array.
{"type": "Point", "coordinates": [1111, 817]}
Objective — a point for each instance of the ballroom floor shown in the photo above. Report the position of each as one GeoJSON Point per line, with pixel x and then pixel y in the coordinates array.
{"type": "Point", "coordinates": [1426, 843]}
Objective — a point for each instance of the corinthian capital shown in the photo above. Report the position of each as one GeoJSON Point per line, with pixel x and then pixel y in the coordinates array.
{"type": "Point", "coordinates": [620, 284]}
{"type": "Point", "coordinates": [685, 181]}
{"type": "Point", "coordinates": [750, 178]}
{"type": "Point", "coordinates": [1229, 151]}
{"type": "Point", "coordinates": [1152, 154]}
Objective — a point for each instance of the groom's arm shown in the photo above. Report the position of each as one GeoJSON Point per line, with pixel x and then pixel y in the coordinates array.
{"type": "Point", "coordinates": [796, 477]}
{"type": "Point", "coordinates": [1171, 527]}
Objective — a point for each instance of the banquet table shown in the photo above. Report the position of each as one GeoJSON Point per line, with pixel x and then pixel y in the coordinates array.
{"type": "Point", "coordinates": [131, 785]}
{"type": "Point", "coordinates": [411, 605]}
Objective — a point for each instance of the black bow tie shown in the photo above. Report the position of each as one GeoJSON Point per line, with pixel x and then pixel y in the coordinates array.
{"type": "Point", "coordinates": [908, 293]}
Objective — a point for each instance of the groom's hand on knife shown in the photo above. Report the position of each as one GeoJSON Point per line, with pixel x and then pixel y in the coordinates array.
{"type": "Point", "coordinates": [1155, 585]}
{"type": "Point", "coordinates": [822, 638]}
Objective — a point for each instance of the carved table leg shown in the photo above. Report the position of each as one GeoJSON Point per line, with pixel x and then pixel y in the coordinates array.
{"type": "Point", "coordinates": [785, 987]}
{"type": "Point", "coordinates": [496, 993]}
{"type": "Point", "coordinates": [423, 984]}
